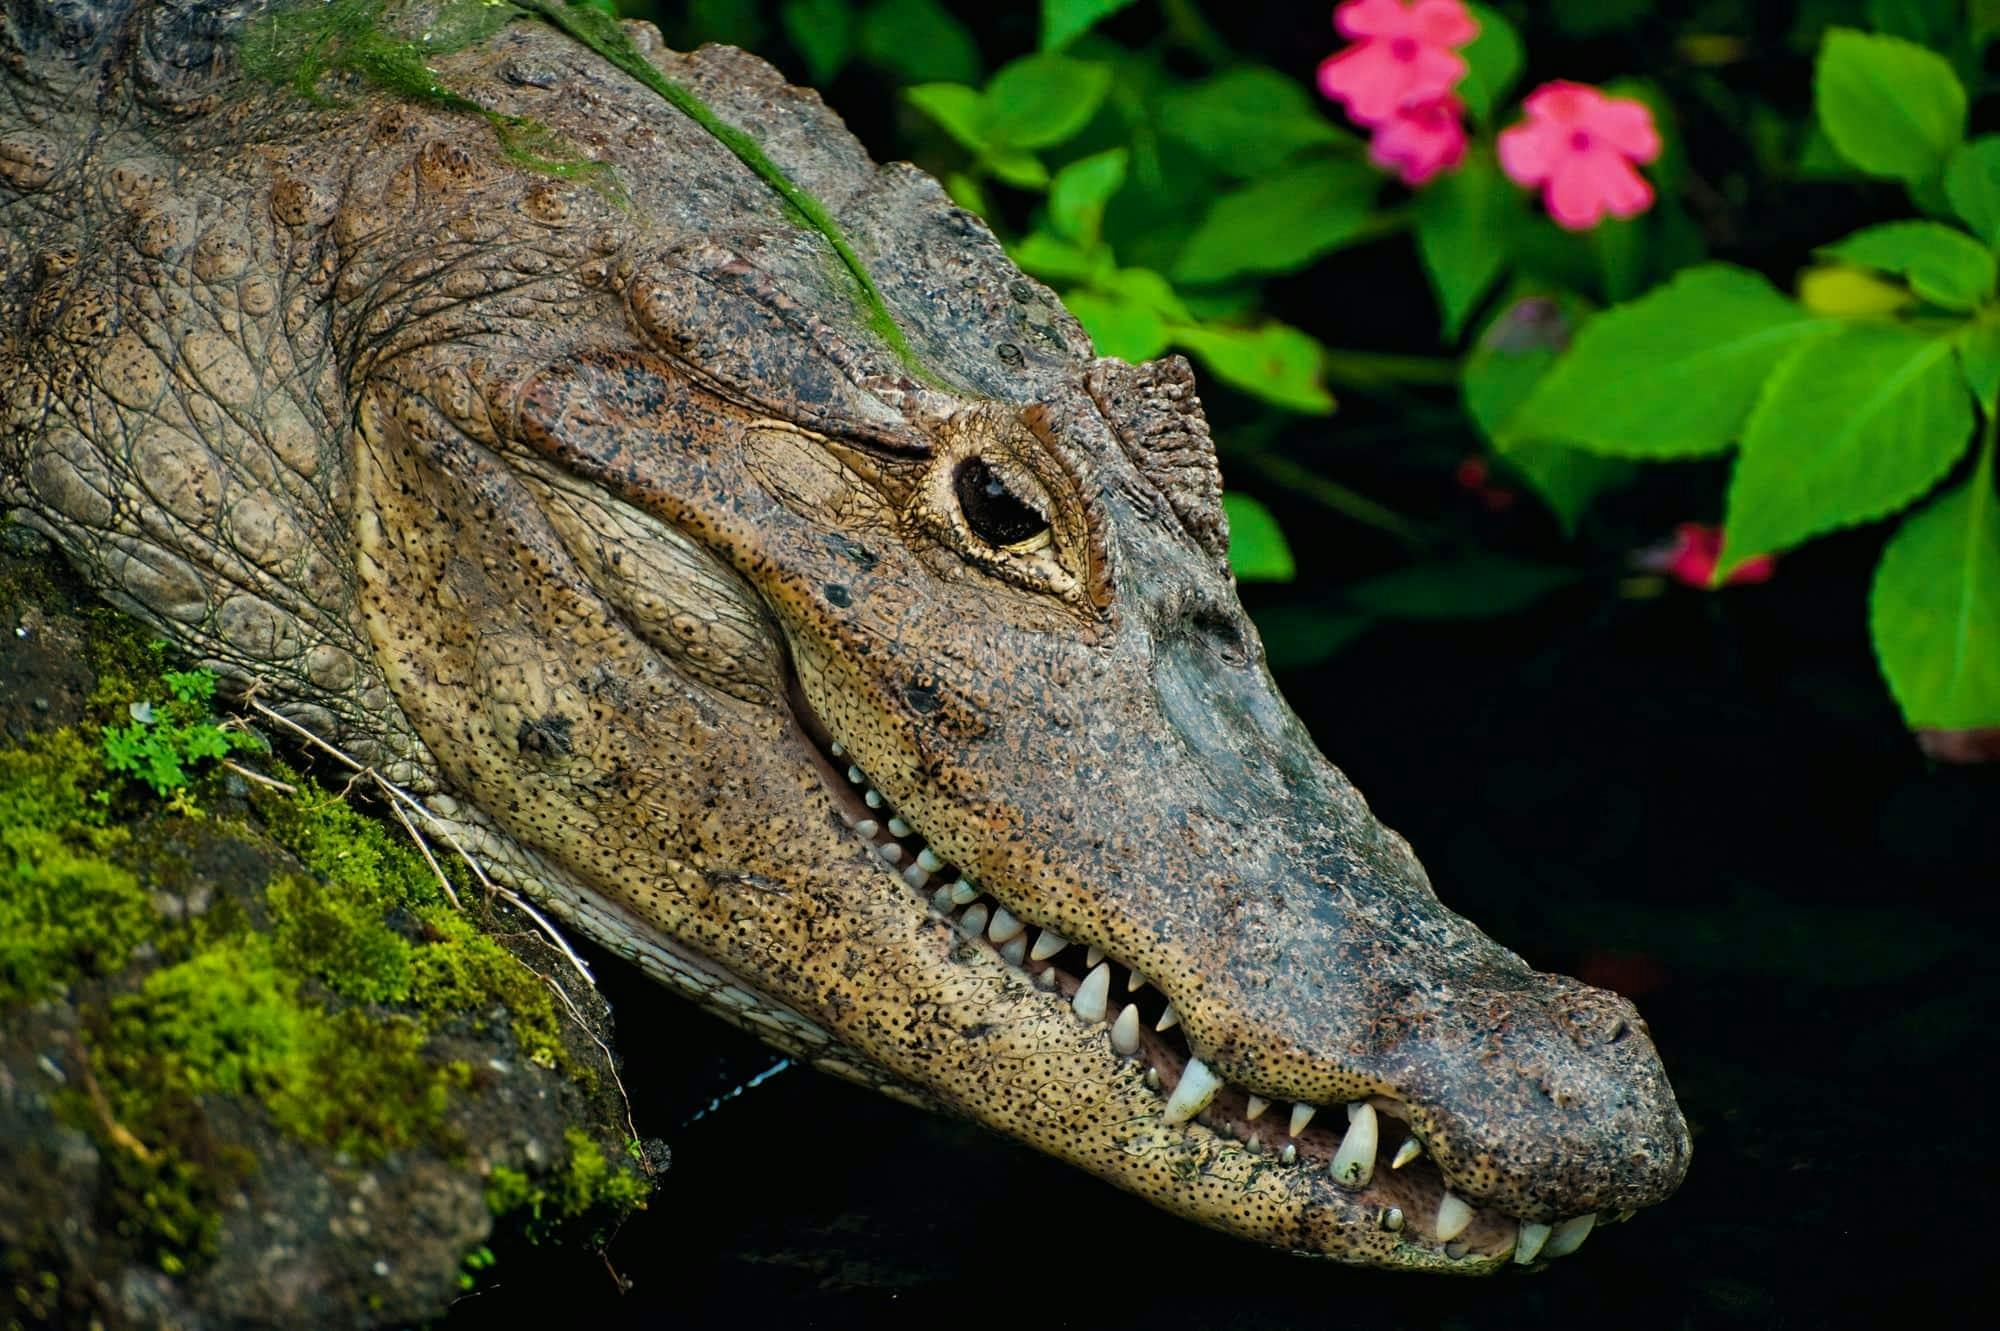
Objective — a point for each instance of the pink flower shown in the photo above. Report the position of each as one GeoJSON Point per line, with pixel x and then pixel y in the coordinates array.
{"type": "Point", "coordinates": [1421, 140]}
{"type": "Point", "coordinates": [1692, 556]}
{"type": "Point", "coordinates": [1579, 145]}
{"type": "Point", "coordinates": [1403, 55]}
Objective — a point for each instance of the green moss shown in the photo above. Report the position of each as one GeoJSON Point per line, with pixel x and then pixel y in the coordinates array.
{"type": "Point", "coordinates": [588, 1182]}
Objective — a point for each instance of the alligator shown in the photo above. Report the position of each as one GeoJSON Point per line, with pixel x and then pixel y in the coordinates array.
{"type": "Point", "coordinates": [734, 550]}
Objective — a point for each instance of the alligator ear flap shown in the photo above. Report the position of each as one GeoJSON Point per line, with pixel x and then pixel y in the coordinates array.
{"type": "Point", "coordinates": [1153, 410]}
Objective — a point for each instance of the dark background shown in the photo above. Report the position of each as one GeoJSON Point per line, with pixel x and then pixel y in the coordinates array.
{"type": "Point", "coordinates": [1705, 800]}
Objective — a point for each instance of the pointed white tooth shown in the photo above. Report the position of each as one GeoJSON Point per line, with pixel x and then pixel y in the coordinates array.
{"type": "Point", "coordinates": [1004, 926]}
{"type": "Point", "coordinates": [1392, 1219]}
{"type": "Point", "coordinates": [872, 798]}
{"type": "Point", "coordinates": [833, 747]}
{"type": "Point", "coordinates": [868, 827]}
{"type": "Point", "coordinates": [1168, 1019]}
{"type": "Point", "coordinates": [930, 859]}
{"type": "Point", "coordinates": [973, 922]}
{"type": "Point", "coordinates": [1533, 1236]}
{"type": "Point", "coordinates": [916, 877]}
{"type": "Point", "coordinates": [897, 827]}
{"type": "Point", "coordinates": [1153, 1078]}
{"type": "Point", "coordinates": [1125, 1030]}
{"type": "Point", "coordinates": [1354, 1163]}
{"type": "Point", "coordinates": [1015, 950]}
{"type": "Point", "coordinates": [1136, 983]}
{"type": "Point", "coordinates": [890, 851]}
{"type": "Point", "coordinates": [1408, 1151]}
{"type": "Point", "coordinates": [1453, 1216]}
{"type": "Point", "coordinates": [1569, 1235]}
{"type": "Point", "coordinates": [1048, 945]}
{"type": "Point", "coordinates": [1192, 1093]}
{"type": "Point", "coordinates": [941, 901]}
{"type": "Point", "coordinates": [1092, 956]}
{"type": "Point", "coordinates": [1092, 994]}
{"type": "Point", "coordinates": [963, 892]}
{"type": "Point", "coordinates": [1258, 1104]}
{"type": "Point", "coordinates": [1302, 1114]}
{"type": "Point", "coordinates": [857, 776]}
{"type": "Point", "coordinates": [1290, 1155]}
{"type": "Point", "coordinates": [1047, 978]}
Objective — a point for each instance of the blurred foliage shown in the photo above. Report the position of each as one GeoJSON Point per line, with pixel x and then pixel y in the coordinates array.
{"type": "Point", "coordinates": [1813, 291]}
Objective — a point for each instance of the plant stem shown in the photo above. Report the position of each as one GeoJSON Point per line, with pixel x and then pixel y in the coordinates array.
{"type": "Point", "coordinates": [1368, 367]}
{"type": "Point", "coordinates": [1348, 503]}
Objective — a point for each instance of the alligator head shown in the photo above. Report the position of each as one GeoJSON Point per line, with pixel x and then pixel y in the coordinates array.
{"type": "Point", "coordinates": [791, 596]}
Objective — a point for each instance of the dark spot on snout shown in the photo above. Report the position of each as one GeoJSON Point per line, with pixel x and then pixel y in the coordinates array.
{"type": "Point", "coordinates": [545, 737]}
{"type": "Point", "coordinates": [922, 697]}
{"type": "Point", "coordinates": [838, 595]}
{"type": "Point", "coordinates": [1021, 292]}
{"type": "Point", "coordinates": [850, 548]}
{"type": "Point", "coordinates": [1009, 354]}
{"type": "Point", "coordinates": [1594, 1017]}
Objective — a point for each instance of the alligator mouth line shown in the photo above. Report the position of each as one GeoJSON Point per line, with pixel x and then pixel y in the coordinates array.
{"type": "Point", "coordinates": [1368, 1149]}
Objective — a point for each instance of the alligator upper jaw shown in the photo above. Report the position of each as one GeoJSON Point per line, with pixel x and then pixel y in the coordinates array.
{"type": "Point", "coordinates": [1350, 1181]}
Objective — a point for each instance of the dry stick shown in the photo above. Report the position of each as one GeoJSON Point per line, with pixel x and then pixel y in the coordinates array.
{"type": "Point", "coordinates": [424, 847]}
{"type": "Point", "coordinates": [397, 795]}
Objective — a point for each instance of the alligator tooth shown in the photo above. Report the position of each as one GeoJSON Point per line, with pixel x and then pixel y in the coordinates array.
{"type": "Point", "coordinates": [890, 851]}
{"type": "Point", "coordinates": [973, 922]}
{"type": "Point", "coordinates": [897, 827]}
{"type": "Point", "coordinates": [1302, 1114]}
{"type": "Point", "coordinates": [1453, 1216]}
{"type": "Point", "coordinates": [941, 901]}
{"type": "Point", "coordinates": [1092, 994]}
{"type": "Point", "coordinates": [1192, 1093]}
{"type": "Point", "coordinates": [929, 859]}
{"type": "Point", "coordinates": [1408, 1151]}
{"type": "Point", "coordinates": [1092, 956]}
{"type": "Point", "coordinates": [916, 877]}
{"type": "Point", "coordinates": [1046, 977]}
{"type": "Point", "coordinates": [1004, 926]}
{"type": "Point", "coordinates": [1015, 950]}
{"type": "Point", "coordinates": [1354, 1163]}
{"type": "Point", "coordinates": [1258, 1104]}
{"type": "Point", "coordinates": [1533, 1236]}
{"type": "Point", "coordinates": [1125, 1030]}
{"type": "Point", "coordinates": [1047, 945]}
{"type": "Point", "coordinates": [872, 798]}
{"type": "Point", "coordinates": [1290, 1155]}
{"type": "Point", "coordinates": [833, 747]}
{"type": "Point", "coordinates": [1569, 1235]}
{"type": "Point", "coordinates": [963, 893]}
{"type": "Point", "coordinates": [868, 827]}
{"type": "Point", "coordinates": [856, 775]}
{"type": "Point", "coordinates": [1137, 982]}
{"type": "Point", "coordinates": [1168, 1019]}
{"type": "Point", "coordinates": [1392, 1219]}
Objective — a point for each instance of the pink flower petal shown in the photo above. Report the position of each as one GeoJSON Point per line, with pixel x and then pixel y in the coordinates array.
{"type": "Point", "coordinates": [1442, 23]}
{"type": "Point", "coordinates": [1624, 191]}
{"type": "Point", "coordinates": [1627, 125]}
{"type": "Point", "coordinates": [1373, 84]}
{"type": "Point", "coordinates": [1528, 153]}
{"type": "Point", "coordinates": [1572, 196]}
{"type": "Point", "coordinates": [1421, 141]}
{"type": "Point", "coordinates": [1562, 102]}
{"type": "Point", "coordinates": [1372, 18]}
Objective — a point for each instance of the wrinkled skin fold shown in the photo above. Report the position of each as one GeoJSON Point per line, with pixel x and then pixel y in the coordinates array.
{"type": "Point", "coordinates": [900, 709]}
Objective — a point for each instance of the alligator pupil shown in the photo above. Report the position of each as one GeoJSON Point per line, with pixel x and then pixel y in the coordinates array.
{"type": "Point", "coordinates": [991, 509]}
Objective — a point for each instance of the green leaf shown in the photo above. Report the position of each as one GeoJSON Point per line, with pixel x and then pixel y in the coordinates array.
{"type": "Point", "coordinates": [1147, 288]}
{"type": "Point", "coordinates": [1458, 220]}
{"type": "Point", "coordinates": [1891, 107]}
{"type": "Point", "coordinates": [1257, 548]}
{"type": "Point", "coordinates": [1039, 101]}
{"type": "Point", "coordinates": [919, 40]}
{"type": "Point", "coordinates": [1493, 61]}
{"type": "Point", "coordinates": [1118, 325]}
{"type": "Point", "coordinates": [1941, 263]}
{"type": "Point", "coordinates": [1063, 21]}
{"type": "Point", "coordinates": [1851, 427]}
{"type": "Point", "coordinates": [1566, 479]}
{"type": "Point", "coordinates": [1279, 223]}
{"type": "Point", "coordinates": [1484, 587]}
{"type": "Point", "coordinates": [1934, 611]}
{"type": "Point", "coordinates": [1935, 23]}
{"type": "Point", "coordinates": [1015, 167]}
{"type": "Point", "coordinates": [1972, 185]}
{"type": "Point", "coordinates": [1248, 122]}
{"type": "Point", "coordinates": [822, 31]}
{"type": "Point", "coordinates": [960, 111]}
{"type": "Point", "coordinates": [1276, 362]}
{"type": "Point", "coordinates": [1979, 354]}
{"type": "Point", "coordinates": [1080, 191]}
{"type": "Point", "coordinates": [1672, 374]}
{"type": "Point", "coordinates": [1052, 258]}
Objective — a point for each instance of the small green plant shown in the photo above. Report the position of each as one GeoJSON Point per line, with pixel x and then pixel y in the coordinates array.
{"type": "Point", "coordinates": [166, 743]}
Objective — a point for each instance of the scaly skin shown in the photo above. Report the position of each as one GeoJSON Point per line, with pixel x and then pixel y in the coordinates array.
{"type": "Point", "coordinates": [595, 511]}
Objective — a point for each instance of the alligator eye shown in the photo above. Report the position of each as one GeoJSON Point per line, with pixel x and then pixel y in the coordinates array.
{"type": "Point", "coordinates": [996, 514]}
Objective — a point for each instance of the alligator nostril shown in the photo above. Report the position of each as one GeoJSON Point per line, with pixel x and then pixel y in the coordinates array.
{"type": "Point", "coordinates": [1596, 1019]}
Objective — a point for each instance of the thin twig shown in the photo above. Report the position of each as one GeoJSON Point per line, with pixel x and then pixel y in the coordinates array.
{"type": "Point", "coordinates": [610, 1062]}
{"type": "Point", "coordinates": [262, 780]}
{"type": "Point", "coordinates": [424, 848]}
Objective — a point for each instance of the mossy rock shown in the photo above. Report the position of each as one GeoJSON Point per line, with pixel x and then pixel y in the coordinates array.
{"type": "Point", "coordinates": [255, 1067]}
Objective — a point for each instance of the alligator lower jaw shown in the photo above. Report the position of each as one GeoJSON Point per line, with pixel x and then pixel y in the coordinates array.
{"type": "Point", "coordinates": [1326, 1156]}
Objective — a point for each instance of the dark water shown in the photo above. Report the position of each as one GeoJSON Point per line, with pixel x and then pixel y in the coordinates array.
{"type": "Point", "coordinates": [1701, 800]}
